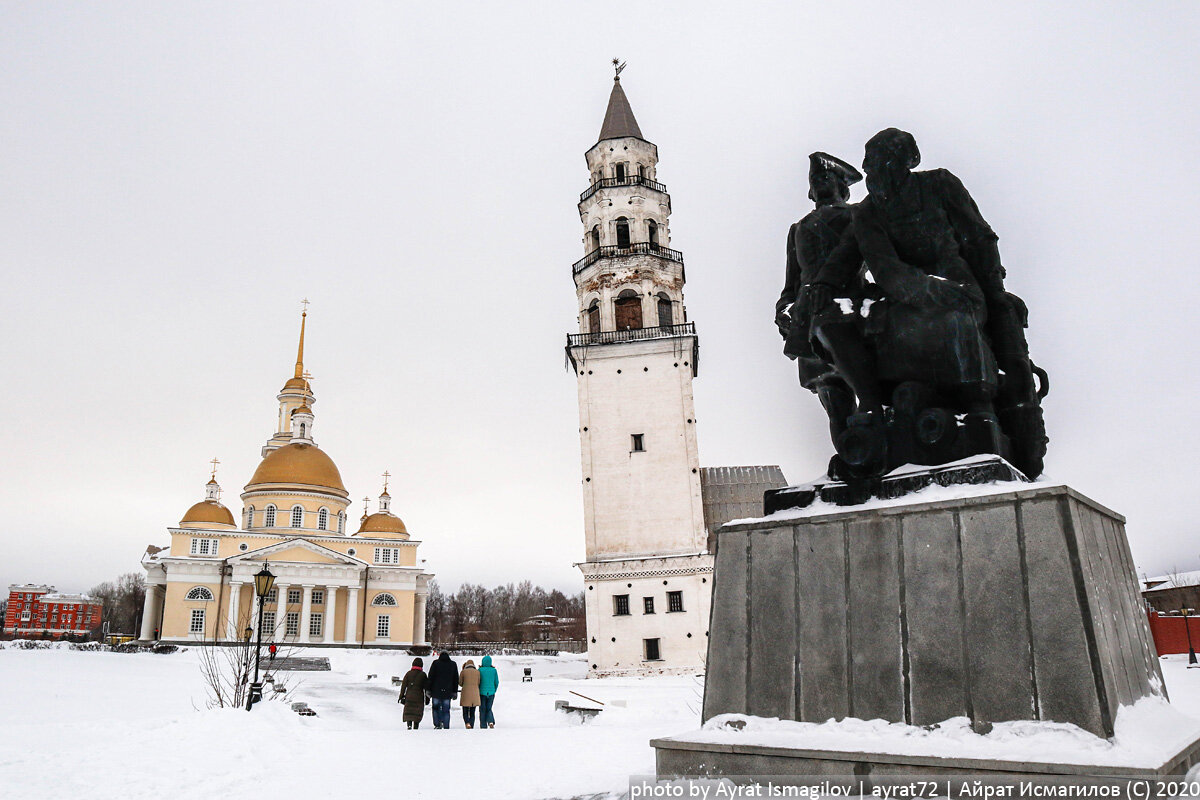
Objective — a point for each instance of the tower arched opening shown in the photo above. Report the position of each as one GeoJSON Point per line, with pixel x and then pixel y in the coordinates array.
{"type": "Point", "coordinates": [628, 310]}
{"type": "Point", "coordinates": [622, 232]}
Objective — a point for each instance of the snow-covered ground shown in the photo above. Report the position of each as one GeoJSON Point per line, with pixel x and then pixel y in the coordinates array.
{"type": "Point", "coordinates": [109, 725]}
{"type": "Point", "coordinates": [105, 725]}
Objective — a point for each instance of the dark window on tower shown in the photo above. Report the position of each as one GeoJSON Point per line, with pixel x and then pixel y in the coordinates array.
{"type": "Point", "coordinates": [628, 307]}
{"type": "Point", "coordinates": [620, 605]}
{"type": "Point", "coordinates": [664, 310]}
{"type": "Point", "coordinates": [638, 443]}
{"type": "Point", "coordinates": [593, 317]}
{"type": "Point", "coordinates": [622, 232]}
{"type": "Point", "coordinates": [652, 233]}
{"type": "Point", "coordinates": [621, 172]}
{"type": "Point", "coordinates": [651, 649]}
{"type": "Point", "coordinates": [595, 237]}
{"type": "Point", "coordinates": [648, 605]}
{"type": "Point", "coordinates": [674, 601]}
{"type": "Point", "coordinates": [641, 170]}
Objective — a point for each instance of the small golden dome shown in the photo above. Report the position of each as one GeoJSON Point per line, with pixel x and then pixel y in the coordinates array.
{"type": "Point", "coordinates": [381, 522]}
{"type": "Point", "coordinates": [303, 409]}
{"type": "Point", "coordinates": [295, 383]}
{"type": "Point", "coordinates": [303, 464]}
{"type": "Point", "coordinates": [208, 512]}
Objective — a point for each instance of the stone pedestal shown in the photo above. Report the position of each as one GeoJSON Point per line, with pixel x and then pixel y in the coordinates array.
{"type": "Point", "coordinates": [1009, 605]}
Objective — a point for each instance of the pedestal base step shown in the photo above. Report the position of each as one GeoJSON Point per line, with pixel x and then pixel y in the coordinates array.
{"type": "Point", "coordinates": [864, 772]}
{"type": "Point", "coordinates": [897, 483]}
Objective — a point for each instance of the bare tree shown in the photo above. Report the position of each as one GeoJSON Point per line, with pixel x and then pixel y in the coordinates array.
{"type": "Point", "coordinates": [229, 669]}
{"type": "Point", "coordinates": [123, 600]}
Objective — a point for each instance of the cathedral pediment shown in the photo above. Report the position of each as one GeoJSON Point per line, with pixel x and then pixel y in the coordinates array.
{"type": "Point", "coordinates": [298, 551]}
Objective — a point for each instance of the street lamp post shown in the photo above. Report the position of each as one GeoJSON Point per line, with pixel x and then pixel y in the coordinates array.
{"type": "Point", "coordinates": [1188, 629]}
{"type": "Point", "coordinates": [263, 581]}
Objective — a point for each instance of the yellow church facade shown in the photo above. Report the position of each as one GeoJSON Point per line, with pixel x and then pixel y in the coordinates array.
{"type": "Point", "coordinates": [332, 588]}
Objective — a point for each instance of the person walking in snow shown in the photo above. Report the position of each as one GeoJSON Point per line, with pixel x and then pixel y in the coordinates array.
{"type": "Point", "coordinates": [489, 681]}
{"type": "Point", "coordinates": [468, 681]}
{"type": "Point", "coordinates": [414, 694]}
{"type": "Point", "coordinates": [443, 687]}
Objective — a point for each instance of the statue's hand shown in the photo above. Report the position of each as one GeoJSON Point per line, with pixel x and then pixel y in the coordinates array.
{"type": "Point", "coordinates": [783, 321]}
{"type": "Point", "coordinates": [819, 296]}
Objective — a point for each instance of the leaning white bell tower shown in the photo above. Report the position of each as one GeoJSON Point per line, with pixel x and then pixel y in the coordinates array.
{"type": "Point", "coordinates": [648, 577]}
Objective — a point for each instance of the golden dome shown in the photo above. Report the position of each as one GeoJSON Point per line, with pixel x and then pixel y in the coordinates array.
{"type": "Point", "coordinates": [303, 409]}
{"type": "Point", "coordinates": [208, 512]}
{"type": "Point", "coordinates": [303, 464]}
{"type": "Point", "coordinates": [296, 383]}
{"type": "Point", "coordinates": [381, 522]}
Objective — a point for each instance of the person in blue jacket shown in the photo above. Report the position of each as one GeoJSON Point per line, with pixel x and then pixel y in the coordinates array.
{"type": "Point", "coordinates": [489, 681]}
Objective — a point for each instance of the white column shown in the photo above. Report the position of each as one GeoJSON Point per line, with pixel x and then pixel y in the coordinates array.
{"type": "Point", "coordinates": [418, 636]}
{"type": "Point", "coordinates": [352, 616]}
{"type": "Point", "coordinates": [329, 632]}
{"type": "Point", "coordinates": [305, 613]}
{"type": "Point", "coordinates": [149, 617]}
{"type": "Point", "coordinates": [280, 611]}
{"type": "Point", "coordinates": [235, 599]}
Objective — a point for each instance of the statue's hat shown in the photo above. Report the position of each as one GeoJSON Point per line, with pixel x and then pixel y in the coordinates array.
{"type": "Point", "coordinates": [823, 162]}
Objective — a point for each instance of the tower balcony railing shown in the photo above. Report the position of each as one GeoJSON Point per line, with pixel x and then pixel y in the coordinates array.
{"type": "Point", "coordinates": [628, 180]}
{"type": "Point", "coordinates": [633, 249]}
{"type": "Point", "coordinates": [631, 334]}
{"type": "Point", "coordinates": [635, 335]}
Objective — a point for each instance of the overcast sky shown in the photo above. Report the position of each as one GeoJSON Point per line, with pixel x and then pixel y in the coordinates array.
{"type": "Point", "coordinates": [175, 177]}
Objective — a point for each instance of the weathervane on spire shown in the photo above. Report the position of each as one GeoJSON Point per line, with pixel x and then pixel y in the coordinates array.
{"type": "Point", "coordinates": [618, 65]}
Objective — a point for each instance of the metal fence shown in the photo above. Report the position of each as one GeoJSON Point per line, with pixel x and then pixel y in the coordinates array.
{"type": "Point", "coordinates": [513, 648]}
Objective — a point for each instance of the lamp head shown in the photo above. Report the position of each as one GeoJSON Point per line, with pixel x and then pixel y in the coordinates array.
{"type": "Point", "coordinates": [263, 581]}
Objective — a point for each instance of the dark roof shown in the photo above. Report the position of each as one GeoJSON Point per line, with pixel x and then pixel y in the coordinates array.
{"type": "Point", "coordinates": [619, 120]}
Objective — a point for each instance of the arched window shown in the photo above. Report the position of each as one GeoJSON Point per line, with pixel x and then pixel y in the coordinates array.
{"type": "Point", "coordinates": [383, 599]}
{"type": "Point", "coordinates": [652, 233]}
{"type": "Point", "coordinates": [665, 316]}
{"type": "Point", "coordinates": [249, 517]}
{"type": "Point", "coordinates": [297, 517]}
{"type": "Point", "coordinates": [323, 519]}
{"type": "Point", "coordinates": [269, 522]}
{"type": "Point", "coordinates": [302, 430]}
{"type": "Point", "coordinates": [199, 593]}
{"type": "Point", "coordinates": [341, 522]}
{"type": "Point", "coordinates": [594, 240]}
{"type": "Point", "coordinates": [621, 171]}
{"type": "Point", "coordinates": [628, 307]}
{"type": "Point", "coordinates": [622, 232]}
{"type": "Point", "coordinates": [593, 317]}
{"type": "Point", "coordinates": [641, 170]}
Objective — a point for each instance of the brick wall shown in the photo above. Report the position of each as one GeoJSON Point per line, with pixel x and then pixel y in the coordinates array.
{"type": "Point", "coordinates": [1170, 635]}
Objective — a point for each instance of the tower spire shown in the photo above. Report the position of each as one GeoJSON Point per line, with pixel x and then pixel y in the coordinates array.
{"type": "Point", "coordinates": [619, 121]}
{"type": "Point", "coordinates": [300, 350]}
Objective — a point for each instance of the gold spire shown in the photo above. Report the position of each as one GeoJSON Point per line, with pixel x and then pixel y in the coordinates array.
{"type": "Point", "coordinates": [300, 351]}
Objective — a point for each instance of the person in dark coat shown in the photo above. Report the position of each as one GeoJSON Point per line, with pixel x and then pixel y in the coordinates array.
{"type": "Point", "coordinates": [414, 694]}
{"type": "Point", "coordinates": [443, 687]}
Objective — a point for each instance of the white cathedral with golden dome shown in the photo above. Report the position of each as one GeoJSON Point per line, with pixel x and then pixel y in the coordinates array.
{"type": "Point", "coordinates": [331, 588]}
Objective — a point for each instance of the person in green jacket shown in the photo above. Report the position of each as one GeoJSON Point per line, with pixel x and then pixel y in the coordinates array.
{"type": "Point", "coordinates": [489, 681]}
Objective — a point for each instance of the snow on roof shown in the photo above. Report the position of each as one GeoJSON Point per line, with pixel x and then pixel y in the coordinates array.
{"type": "Point", "coordinates": [58, 597]}
{"type": "Point", "coordinates": [1175, 580]}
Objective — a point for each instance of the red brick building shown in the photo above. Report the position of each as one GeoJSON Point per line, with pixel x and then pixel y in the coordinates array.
{"type": "Point", "coordinates": [39, 611]}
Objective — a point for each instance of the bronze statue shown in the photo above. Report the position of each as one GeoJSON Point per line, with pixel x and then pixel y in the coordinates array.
{"type": "Point", "coordinates": [909, 309]}
{"type": "Point", "coordinates": [810, 242]}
